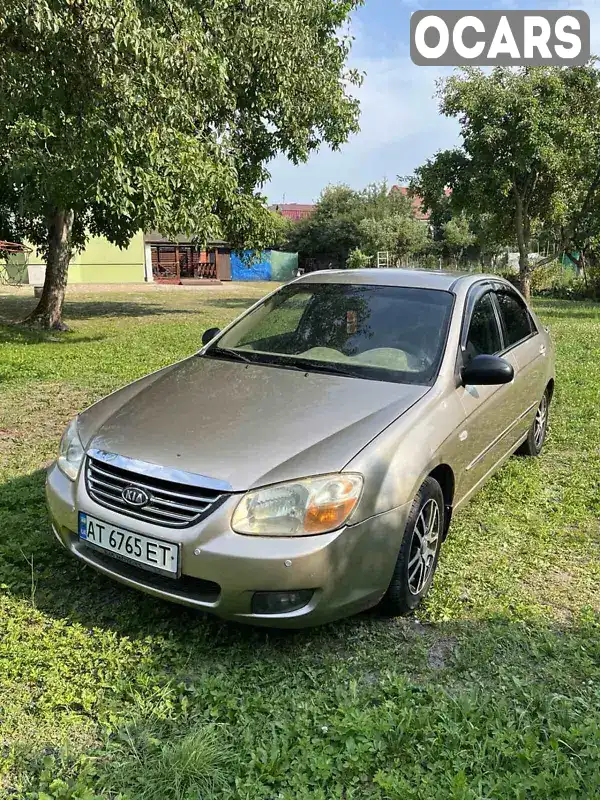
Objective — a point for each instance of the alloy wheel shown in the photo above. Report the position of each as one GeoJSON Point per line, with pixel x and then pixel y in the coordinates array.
{"type": "Point", "coordinates": [541, 420]}
{"type": "Point", "coordinates": [423, 546]}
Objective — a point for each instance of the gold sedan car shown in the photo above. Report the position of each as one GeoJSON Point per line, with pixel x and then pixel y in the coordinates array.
{"type": "Point", "coordinates": [305, 464]}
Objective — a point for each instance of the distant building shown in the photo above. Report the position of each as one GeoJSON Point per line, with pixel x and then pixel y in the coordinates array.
{"type": "Point", "coordinates": [298, 211]}
{"type": "Point", "coordinates": [181, 261]}
{"type": "Point", "coordinates": [294, 211]}
{"type": "Point", "coordinates": [153, 258]}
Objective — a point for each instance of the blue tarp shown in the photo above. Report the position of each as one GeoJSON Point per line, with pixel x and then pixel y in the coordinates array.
{"type": "Point", "coordinates": [251, 266]}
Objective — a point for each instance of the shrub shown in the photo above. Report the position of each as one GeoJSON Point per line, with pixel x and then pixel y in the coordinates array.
{"type": "Point", "coordinates": [594, 282]}
{"type": "Point", "coordinates": [357, 259]}
{"type": "Point", "coordinates": [549, 275]}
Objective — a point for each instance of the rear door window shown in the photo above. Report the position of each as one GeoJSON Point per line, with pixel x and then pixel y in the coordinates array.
{"type": "Point", "coordinates": [516, 319]}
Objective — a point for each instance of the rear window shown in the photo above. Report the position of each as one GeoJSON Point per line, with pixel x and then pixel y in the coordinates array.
{"type": "Point", "coordinates": [518, 324]}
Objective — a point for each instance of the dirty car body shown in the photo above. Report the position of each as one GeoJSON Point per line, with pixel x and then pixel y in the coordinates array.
{"type": "Point", "coordinates": [273, 477]}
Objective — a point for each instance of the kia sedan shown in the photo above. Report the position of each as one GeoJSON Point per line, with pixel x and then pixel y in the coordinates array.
{"type": "Point", "coordinates": [305, 464]}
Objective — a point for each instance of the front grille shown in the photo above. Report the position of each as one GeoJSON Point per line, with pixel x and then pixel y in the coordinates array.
{"type": "Point", "coordinates": [173, 505]}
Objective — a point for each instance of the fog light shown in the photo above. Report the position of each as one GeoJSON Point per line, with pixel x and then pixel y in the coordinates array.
{"type": "Point", "coordinates": [280, 602]}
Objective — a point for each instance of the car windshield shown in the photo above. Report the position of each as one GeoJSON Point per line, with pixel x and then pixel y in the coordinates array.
{"type": "Point", "coordinates": [389, 333]}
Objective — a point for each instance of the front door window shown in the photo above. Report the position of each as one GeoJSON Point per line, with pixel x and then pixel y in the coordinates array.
{"type": "Point", "coordinates": [484, 334]}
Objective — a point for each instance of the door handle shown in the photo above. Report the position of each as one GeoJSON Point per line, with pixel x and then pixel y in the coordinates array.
{"type": "Point", "coordinates": [542, 349]}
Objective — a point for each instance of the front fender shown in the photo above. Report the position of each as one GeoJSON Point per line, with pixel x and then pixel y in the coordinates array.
{"type": "Point", "coordinates": [397, 461]}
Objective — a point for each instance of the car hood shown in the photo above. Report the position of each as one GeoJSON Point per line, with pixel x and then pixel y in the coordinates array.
{"type": "Point", "coordinates": [245, 425]}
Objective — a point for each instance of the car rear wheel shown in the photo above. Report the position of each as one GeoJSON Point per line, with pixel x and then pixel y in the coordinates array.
{"type": "Point", "coordinates": [532, 446]}
{"type": "Point", "coordinates": [419, 552]}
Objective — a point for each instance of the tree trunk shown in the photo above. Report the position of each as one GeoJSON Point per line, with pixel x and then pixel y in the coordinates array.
{"type": "Point", "coordinates": [582, 268]}
{"type": "Point", "coordinates": [523, 243]}
{"type": "Point", "coordinates": [48, 312]}
{"type": "Point", "coordinates": [524, 276]}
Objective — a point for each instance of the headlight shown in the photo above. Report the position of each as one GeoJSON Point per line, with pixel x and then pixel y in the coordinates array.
{"type": "Point", "coordinates": [298, 508]}
{"type": "Point", "coordinates": [70, 452]}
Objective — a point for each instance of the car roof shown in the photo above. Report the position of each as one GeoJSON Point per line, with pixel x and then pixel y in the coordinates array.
{"type": "Point", "coordinates": [410, 278]}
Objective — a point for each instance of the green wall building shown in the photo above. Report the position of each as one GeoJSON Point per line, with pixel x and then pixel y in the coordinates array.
{"type": "Point", "coordinates": [151, 258]}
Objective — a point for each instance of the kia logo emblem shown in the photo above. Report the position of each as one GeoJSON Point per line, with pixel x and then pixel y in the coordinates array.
{"type": "Point", "coordinates": [134, 496]}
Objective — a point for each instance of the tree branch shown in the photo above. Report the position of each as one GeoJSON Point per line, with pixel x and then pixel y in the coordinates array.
{"type": "Point", "coordinates": [169, 9]}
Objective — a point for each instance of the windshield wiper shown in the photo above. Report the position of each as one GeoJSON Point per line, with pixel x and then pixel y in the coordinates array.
{"type": "Point", "coordinates": [286, 362]}
{"type": "Point", "coordinates": [228, 352]}
{"type": "Point", "coordinates": [322, 366]}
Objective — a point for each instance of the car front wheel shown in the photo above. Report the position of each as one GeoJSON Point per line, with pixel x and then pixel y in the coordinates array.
{"type": "Point", "coordinates": [419, 552]}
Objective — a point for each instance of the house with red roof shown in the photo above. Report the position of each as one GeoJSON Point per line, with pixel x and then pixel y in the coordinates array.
{"type": "Point", "coordinates": [294, 211]}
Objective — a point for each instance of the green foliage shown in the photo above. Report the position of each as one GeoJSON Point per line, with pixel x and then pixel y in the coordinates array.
{"type": "Point", "coordinates": [357, 259]}
{"type": "Point", "coordinates": [491, 691]}
{"type": "Point", "coordinates": [457, 234]}
{"type": "Point", "coordinates": [510, 275]}
{"type": "Point", "coordinates": [162, 115]}
{"type": "Point", "coordinates": [564, 283]}
{"type": "Point", "coordinates": [553, 279]}
{"type": "Point", "coordinates": [61, 778]}
{"type": "Point", "coordinates": [372, 219]}
{"type": "Point", "coordinates": [399, 234]}
{"type": "Point", "coordinates": [528, 139]}
{"type": "Point", "coordinates": [159, 762]}
{"type": "Point", "coordinates": [281, 228]}
{"type": "Point", "coordinates": [573, 288]}
{"type": "Point", "coordinates": [547, 276]}
{"type": "Point", "coordinates": [593, 281]}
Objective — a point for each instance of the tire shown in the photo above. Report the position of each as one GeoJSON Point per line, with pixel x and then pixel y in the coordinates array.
{"type": "Point", "coordinates": [533, 444]}
{"type": "Point", "coordinates": [409, 586]}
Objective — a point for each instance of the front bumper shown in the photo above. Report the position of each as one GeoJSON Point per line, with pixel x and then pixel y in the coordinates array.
{"type": "Point", "coordinates": [348, 570]}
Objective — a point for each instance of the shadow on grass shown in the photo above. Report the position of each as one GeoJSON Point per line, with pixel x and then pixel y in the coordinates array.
{"type": "Point", "coordinates": [21, 334]}
{"type": "Point", "coordinates": [15, 309]}
{"type": "Point", "coordinates": [62, 587]}
{"type": "Point", "coordinates": [527, 689]}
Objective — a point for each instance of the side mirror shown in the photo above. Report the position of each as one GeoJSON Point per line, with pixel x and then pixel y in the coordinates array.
{"type": "Point", "coordinates": [209, 335]}
{"type": "Point", "coordinates": [487, 371]}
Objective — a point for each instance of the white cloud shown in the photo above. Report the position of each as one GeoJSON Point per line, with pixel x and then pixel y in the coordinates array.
{"type": "Point", "coordinates": [397, 99]}
{"type": "Point", "coordinates": [400, 127]}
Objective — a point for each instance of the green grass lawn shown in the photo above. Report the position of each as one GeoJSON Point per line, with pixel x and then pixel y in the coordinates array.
{"type": "Point", "coordinates": [493, 692]}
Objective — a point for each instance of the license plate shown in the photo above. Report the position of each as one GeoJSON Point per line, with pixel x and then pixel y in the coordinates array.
{"type": "Point", "coordinates": [145, 551]}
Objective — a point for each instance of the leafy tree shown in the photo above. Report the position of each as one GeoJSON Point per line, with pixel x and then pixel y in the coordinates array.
{"type": "Point", "coordinates": [453, 233]}
{"type": "Point", "coordinates": [345, 219]}
{"type": "Point", "coordinates": [399, 234]}
{"type": "Point", "coordinates": [526, 136]}
{"type": "Point", "coordinates": [457, 236]}
{"type": "Point", "coordinates": [121, 115]}
{"type": "Point", "coordinates": [281, 228]}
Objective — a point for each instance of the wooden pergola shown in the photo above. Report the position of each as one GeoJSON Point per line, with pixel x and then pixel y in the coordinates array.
{"type": "Point", "coordinates": [182, 261]}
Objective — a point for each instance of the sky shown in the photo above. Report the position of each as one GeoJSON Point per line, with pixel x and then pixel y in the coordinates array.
{"type": "Point", "coordinates": [400, 124]}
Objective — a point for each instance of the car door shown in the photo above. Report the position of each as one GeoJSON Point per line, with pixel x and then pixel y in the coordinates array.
{"type": "Point", "coordinates": [489, 410]}
{"type": "Point", "coordinates": [522, 341]}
